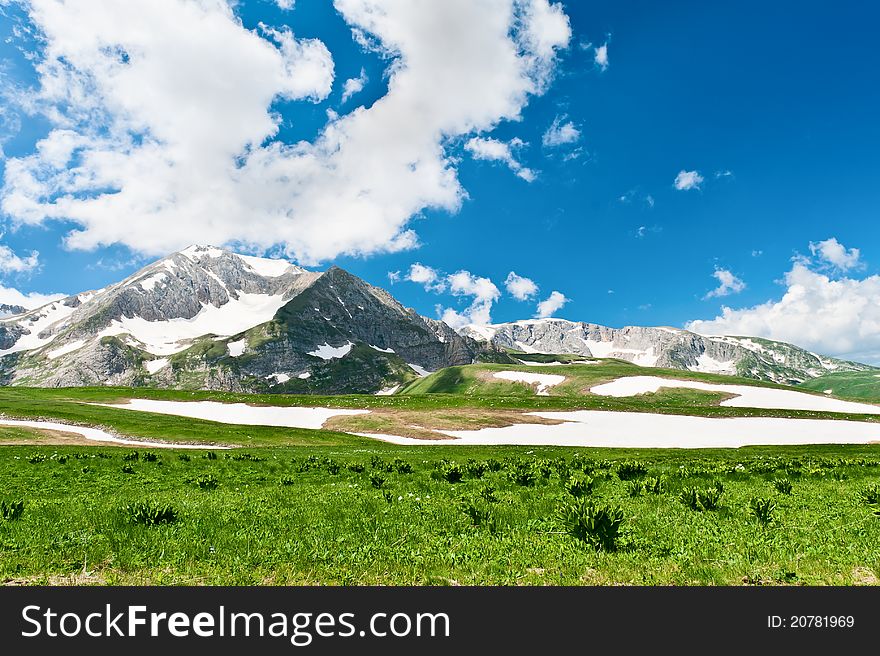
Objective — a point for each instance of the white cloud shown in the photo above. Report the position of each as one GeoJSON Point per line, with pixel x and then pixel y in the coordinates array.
{"type": "Point", "coordinates": [499, 151]}
{"type": "Point", "coordinates": [601, 56]}
{"type": "Point", "coordinates": [686, 180]}
{"type": "Point", "coordinates": [10, 262]}
{"type": "Point", "coordinates": [833, 317]}
{"type": "Point", "coordinates": [484, 294]}
{"type": "Point", "coordinates": [519, 287]}
{"type": "Point", "coordinates": [561, 132]}
{"type": "Point", "coordinates": [551, 305]}
{"type": "Point", "coordinates": [423, 275]}
{"type": "Point", "coordinates": [286, 5]}
{"type": "Point", "coordinates": [354, 85]}
{"type": "Point", "coordinates": [394, 277]}
{"type": "Point", "coordinates": [11, 296]}
{"type": "Point", "coordinates": [834, 254]}
{"type": "Point", "coordinates": [728, 284]}
{"type": "Point", "coordinates": [166, 108]}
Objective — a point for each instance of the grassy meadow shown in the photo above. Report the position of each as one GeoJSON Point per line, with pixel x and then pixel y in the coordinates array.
{"type": "Point", "coordinates": [382, 514]}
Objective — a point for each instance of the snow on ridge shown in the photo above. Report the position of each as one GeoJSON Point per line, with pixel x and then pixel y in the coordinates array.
{"type": "Point", "coordinates": [278, 377]}
{"type": "Point", "coordinates": [172, 336]}
{"type": "Point", "coordinates": [268, 268]}
{"type": "Point", "coordinates": [327, 352]}
{"type": "Point", "coordinates": [49, 316]}
{"type": "Point", "coordinates": [383, 350]}
{"type": "Point", "coordinates": [149, 283]}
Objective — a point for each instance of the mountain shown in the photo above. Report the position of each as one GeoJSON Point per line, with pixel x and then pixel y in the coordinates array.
{"type": "Point", "coordinates": [749, 357]}
{"type": "Point", "coordinates": [206, 318]}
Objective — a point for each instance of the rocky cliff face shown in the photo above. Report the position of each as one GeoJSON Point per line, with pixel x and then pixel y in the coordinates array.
{"type": "Point", "coordinates": [7, 310]}
{"type": "Point", "coordinates": [207, 318]}
{"type": "Point", "coordinates": [664, 347]}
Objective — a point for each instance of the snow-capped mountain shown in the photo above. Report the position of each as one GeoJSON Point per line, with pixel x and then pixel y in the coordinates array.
{"type": "Point", "coordinates": [210, 318]}
{"type": "Point", "coordinates": [7, 310]}
{"type": "Point", "coordinates": [664, 347]}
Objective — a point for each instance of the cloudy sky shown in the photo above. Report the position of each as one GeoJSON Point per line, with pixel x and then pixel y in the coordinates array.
{"type": "Point", "coordinates": [708, 165]}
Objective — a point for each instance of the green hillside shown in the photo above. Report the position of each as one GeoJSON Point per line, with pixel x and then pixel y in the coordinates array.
{"type": "Point", "coordinates": [863, 385]}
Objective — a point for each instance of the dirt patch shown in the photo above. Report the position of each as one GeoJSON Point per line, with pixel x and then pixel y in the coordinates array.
{"type": "Point", "coordinates": [425, 425]}
{"type": "Point", "coordinates": [864, 576]}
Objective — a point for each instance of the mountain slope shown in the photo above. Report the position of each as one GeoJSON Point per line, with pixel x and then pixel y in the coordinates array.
{"type": "Point", "coordinates": [208, 318]}
{"type": "Point", "coordinates": [664, 347]}
{"type": "Point", "coordinates": [854, 384]}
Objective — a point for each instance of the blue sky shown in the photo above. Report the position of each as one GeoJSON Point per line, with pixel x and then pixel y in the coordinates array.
{"type": "Point", "coordinates": [773, 106]}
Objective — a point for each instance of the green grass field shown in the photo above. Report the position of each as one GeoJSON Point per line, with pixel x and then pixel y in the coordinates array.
{"type": "Point", "coordinates": [391, 515]}
{"type": "Point", "coordinates": [861, 385]}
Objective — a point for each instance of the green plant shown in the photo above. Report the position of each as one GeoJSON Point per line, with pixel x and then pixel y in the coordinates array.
{"type": "Point", "coordinates": [402, 466]}
{"type": "Point", "coordinates": [522, 474]}
{"type": "Point", "coordinates": [655, 485]}
{"type": "Point", "coordinates": [127, 468]}
{"type": "Point", "coordinates": [356, 467]}
{"type": "Point", "coordinates": [596, 525]}
{"type": "Point", "coordinates": [634, 488]}
{"type": "Point", "coordinates": [710, 498]}
{"type": "Point", "coordinates": [377, 481]}
{"type": "Point", "coordinates": [870, 494]}
{"type": "Point", "coordinates": [488, 494]}
{"type": "Point", "coordinates": [690, 497]}
{"type": "Point", "coordinates": [579, 485]}
{"type": "Point", "coordinates": [149, 456]}
{"type": "Point", "coordinates": [288, 480]}
{"type": "Point", "coordinates": [11, 510]}
{"type": "Point", "coordinates": [183, 457]}
{"type": "Point", "coordinates": [449, 472]}
{"type": "Point", "coordinates": [475, 469]}
{"type": "Point", "coordinates": [762, 509]}
{"type": "Point", "coordinates": [210, 455]}
{"type": "Point", "coordinates": [207, 482]}
{"type": "Point", "coordinates": [782, 485]}
{"type": "Point", "coordinates": [131, 456]}
{"type": "Point", "coordinates": [36, 458]}
{"type": "Point", "coordinates": [631, 469]}
{"type": "Point", "coordinates": [150, 514]}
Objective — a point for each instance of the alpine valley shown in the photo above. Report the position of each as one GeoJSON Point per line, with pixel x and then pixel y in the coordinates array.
{"type": "Point", "coordinates": [206, 318]}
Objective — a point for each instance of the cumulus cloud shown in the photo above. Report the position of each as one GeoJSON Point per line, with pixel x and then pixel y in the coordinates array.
{"type": "Point", "coordinates": [561, 132]}
{"type": "Point", "coordinates": [551, 305]}
{"type": "Point", "coordinates": [519, 287]}
{"type": "Point", "coordinates": [686, 180]}
{"type": "Point", "coordinates": [494, 150]}
{"type": "Point", "coordinates": [483, 293]}
{"type": "Point", "coordinates": [426, 276]}
{"type": "Point", "coordinates": [601, 56]}
{"type": "Point", "coordinates": [839, 317]}
{"type": "Point", "coordinates": [10, 262]}
{"type": "Point", "coordinates": [728, 284]}
{"type": "Point", "coordinates": [835, 255]}
{"type": "Point", "coordinates": [286, 5]}
{"type": "Point", "coordinates": [31, 300]}
{"type": "Point", "coordinates": [163, 130]}
{"type": "Point", "coordinates": [354, 85]}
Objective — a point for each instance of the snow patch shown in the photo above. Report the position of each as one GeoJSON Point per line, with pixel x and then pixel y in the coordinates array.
{"type": "Point", "coordinates": [237, 348]}
{"type": "Point", "coordinates": [746, 396]}
{"type": "Point", "coordinates": [99, 435]}
{"type": "Point", "coordinates": [383, 350]}
{"type": "Point", "coordinates": [305, 376]}
{"type": "Point", "coordinates": [388, 391]}
{"type": "Point", "coordinates": [327, 352]}
{"type": "Point", "coordinates": [543, 381]}
{"type": "Point", "coordinates": [238, 413]}
{"type": "Point", "coordinates": [67, 348]}
{"type": "Point", "coordinates": [278, 378]}
{"type": "Point", "coordinates": [710, 365]}
{"type": "Point", "coordinates": [591, 428]}
{"type": "Point", "coordinates": [421, 371]}
{"type": "Point", "coordinates": [47, 319]}
{"type": "Point", "coordinates": [152, 366]}
{"type": "Point", "coordinates": [150, 282]}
